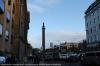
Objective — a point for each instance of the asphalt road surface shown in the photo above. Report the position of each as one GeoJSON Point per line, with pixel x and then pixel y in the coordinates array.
{"type": "Point", "coordinates": [62, 63]}
{"type": "Point", "coordinates": [51, 63]}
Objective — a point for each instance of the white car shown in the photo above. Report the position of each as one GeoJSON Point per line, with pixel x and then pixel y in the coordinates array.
{"type": "Point", "coordinates": [64, 56]}
{"type": "Point", "coordinates": [2, 59]}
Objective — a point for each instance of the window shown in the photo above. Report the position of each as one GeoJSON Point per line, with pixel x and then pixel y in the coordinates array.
{"type": "Point", "coordinates": [94, 20]}
{"type": "Point", "coordinates": [0, 30]}
{"type": "Point", "coordinates": [95, 38]}
{"type": "Point", "coordinates": [99, 26]}
{"type": "Point", "coordinates": [94, 28]}
{"type": "Point", "coordinates": [91, 40]}
{"type": "Point", "coordinates": [90, 22]}
{"type": "Point", "coordinates": [93, 13]}
{"type": "Point", "coordinates": [13, 9]}
{"type": "Point", "coordinates": [8, 16]}
{"type": "Point", "coordinates": [87, 40]}
{"type": "Point", "coordinates": [1, 6]}
{"type": "Point", "coordinates": [87, 32]}
{"type": "Point", "coordinates": [87, 24]}
{"type": "Point", "coordinates": [12, 23]}
{"type": "Point", "coordinates": [91, 30]}
{"type": "Point", "coordinates": [6, 35]}
{"type": "Point", "coordinates": [9, 2]}
{"type": "Point", "coordinates": [98, 18]}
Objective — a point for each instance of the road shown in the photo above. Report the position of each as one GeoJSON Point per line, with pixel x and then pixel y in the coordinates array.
{"type": "Point", "coordinates": [57, 63]}
{"type": "Point", "coordinates": [50, 63]}
{"type": "Point", "coordinates": [62, 63]}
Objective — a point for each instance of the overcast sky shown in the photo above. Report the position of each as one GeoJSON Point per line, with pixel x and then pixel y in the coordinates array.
{"type": "Point", "coordinates": [64, 20]}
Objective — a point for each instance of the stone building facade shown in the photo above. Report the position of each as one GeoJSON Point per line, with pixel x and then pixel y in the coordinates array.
{"type": "Point", "coordinates": [14, 25]}
{"type": "Point", "coordinates": [92, 23]}
{"type": "Point", "coordinates": [5, 26]}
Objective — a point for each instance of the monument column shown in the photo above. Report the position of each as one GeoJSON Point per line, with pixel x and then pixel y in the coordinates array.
{"type": "Point", "coordinates": [43, 40]}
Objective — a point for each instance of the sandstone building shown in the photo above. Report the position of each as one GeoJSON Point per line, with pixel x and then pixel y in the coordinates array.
{"type": "Point", "coordinates": [14, 25]}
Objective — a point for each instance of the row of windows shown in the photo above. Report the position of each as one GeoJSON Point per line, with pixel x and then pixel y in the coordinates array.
{"type": "Point", "coordinates": [93, 38]}
{"type": "Point", "coordinates": [93, 30]}
{"type": "Point", "coordinates": [92, 18]}
{"type": "Point", "coordinates": [8, 16]}
{"type": "Point", "coordinates": [2, 6]}
{"type": "Point", "coordinates": [6, 33]}
{"type": "Point", "coordinates": [94, 21]}
{"type": "Point", "coordinates": [94, 14]}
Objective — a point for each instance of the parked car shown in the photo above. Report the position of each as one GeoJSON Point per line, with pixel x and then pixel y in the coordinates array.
{"type": "Point", "coordinates": [92, 57]}
{"type": "Point", "coordinates": [64, 56]}
{"type": "Point", "coordinates": [69, 56]}
{"type": "Point", "coordinates": [2, 59]}
{"type": "Point", "coordinates": [75, 57]}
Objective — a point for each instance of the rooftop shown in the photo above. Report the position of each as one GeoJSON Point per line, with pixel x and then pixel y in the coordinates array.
{"type": "Point", "coordinates": [94, 4]}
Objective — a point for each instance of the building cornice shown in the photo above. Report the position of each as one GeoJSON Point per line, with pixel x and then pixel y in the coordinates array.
{"type": "Point", "coordinates": [92, 6]}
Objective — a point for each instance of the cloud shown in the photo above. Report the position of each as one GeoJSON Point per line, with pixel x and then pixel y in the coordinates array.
{"type": "Point", "coordinates": [40, 6]}
{"type": "Point", "coordinates": [58, 36]}
{"type": "Point", "coordinates": [35, 8]}
{"type": "Point", "coordinates": [65, 36]}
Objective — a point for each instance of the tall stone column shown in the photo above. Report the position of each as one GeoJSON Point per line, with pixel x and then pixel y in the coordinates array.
{"type": "Point", "coordinates": [43, 40]}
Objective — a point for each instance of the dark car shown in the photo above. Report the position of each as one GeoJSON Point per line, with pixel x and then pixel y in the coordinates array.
{"type": "Point", "coordinates": [91, 58]}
